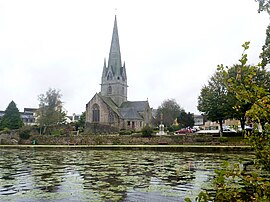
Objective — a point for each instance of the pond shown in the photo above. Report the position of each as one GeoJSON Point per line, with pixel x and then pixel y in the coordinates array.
{"type": "Point", "coordinates": [106, 175]}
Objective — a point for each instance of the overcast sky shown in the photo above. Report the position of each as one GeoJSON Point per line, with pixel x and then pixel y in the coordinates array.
{"type": "Point", "coordinates": [171, 47]}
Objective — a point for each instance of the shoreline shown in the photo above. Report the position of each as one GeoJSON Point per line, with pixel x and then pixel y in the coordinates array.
{"type": "Point", "coordinates": [185, 148]}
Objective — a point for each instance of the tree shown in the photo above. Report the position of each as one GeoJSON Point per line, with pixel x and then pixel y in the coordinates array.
{"type": "Point", "coordinates": [81, 121]}
{"type": "Point", "coordinates": [251, 86]}
{"type": "Point", "coordinates": [50, 108]}
{"type": "Point", "coordinates": [265, 55]}
{"type": "Point", "coordinates": [168, 112]}
{"type": "Point", "coordinates": [185, 119]}
{"type": "Point", "coordinates": [12, 118]}
{"type": "Point", "coordinates": [264, 5]}
{"type": "Point", "coordinates": [214, 100]}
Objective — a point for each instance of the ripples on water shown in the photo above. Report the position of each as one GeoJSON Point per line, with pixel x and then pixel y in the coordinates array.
{"type": "Point", "coordinates": [107, 175]}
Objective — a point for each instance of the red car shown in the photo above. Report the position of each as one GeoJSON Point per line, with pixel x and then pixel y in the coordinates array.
{"type": "Point", "coordinates": [184, 131]}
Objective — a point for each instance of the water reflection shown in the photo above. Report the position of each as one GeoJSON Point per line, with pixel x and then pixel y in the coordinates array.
{"type": "Point", "coordinates": [95, 175]}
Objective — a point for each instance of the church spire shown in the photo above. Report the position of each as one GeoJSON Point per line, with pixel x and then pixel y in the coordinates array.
{"type": "Point", "coordinates": [115, 54]}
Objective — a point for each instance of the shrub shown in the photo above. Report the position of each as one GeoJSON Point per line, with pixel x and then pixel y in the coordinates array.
{"type": "Point", "coordinates": [125, 132]}
{"type": "Point", "coordinates": [147, 131]}
{"type": "Point", "coordinates": [5, 130]}
{"type": "Point", "coordinates": [25, 132]}
{"type": "Point", "coordinates": [223, 139]}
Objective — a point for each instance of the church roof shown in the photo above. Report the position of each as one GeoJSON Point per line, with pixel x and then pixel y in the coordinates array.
{"type": "Point", "coordinates": [130, 110]}
{"type": "Point", "coordinates": [137, 105]}
{"type": "Point", "coordinates": [110, 103]}
{"type": "Point", "coordinates": [130, 114]}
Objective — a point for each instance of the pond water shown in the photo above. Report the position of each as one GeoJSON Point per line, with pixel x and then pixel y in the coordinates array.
{"type": "Point", "coordinates": [106, 175]}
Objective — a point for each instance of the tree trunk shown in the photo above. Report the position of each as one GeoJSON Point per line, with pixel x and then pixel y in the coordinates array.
{"type": "Point", "coordinates": [221, 128]}
{"type": "Point", "coordinates": [243, 122]}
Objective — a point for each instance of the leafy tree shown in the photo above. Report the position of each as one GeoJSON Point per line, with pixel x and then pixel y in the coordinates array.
{"type": "Point", "coordinates": [251, 86]}
{"type": "Point", "coordinates": [233, 183]}
{"type": "Point", "coordinates": [81, 121]}
{"type": "Point", "coordinates": [265, 55]}
{"type": "Point", "coordinates": [185, 119]}
{"type": "Point", "coordinates": [168, 112]}
{"type": "Point", "coordinates": [214, 100]}
{"type": "Point", "coordinates": [264, 5]}
{"type": "Point", "coordinates": [12, 118]}
{"type": "Point", "coordinates": [50, 109]}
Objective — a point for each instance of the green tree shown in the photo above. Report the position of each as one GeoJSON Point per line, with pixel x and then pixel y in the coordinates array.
{"type": "Point", "coordinates": [12, 117]}
{"type": "Point", "coordinates": [50, 109]}
{"type": "Point", "coordinates": [264, 5]}
{"type": "Point", "coordinates": [251, 85]}
{"type": "Point", "coordinates": [185, 119]}
{"type": "Point", "coordinates": [265, 55]}
{"type": "Point", "coordinates": [215, 101]}
{"type": "Point", "coordinates": [168, 112]}
{"type": "Point", "coordinates": [81, 121]}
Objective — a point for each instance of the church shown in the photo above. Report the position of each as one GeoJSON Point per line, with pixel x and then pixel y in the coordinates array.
{"type": "Point", "coordinates": [109, 110]}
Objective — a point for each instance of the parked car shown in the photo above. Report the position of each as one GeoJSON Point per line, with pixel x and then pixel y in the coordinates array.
{"type": "Point", "coordinates": [229, 130]}
{"type": "Point", "coordinates": [247, 128]}
{"type": "Point", "coordinates": [184, 131]}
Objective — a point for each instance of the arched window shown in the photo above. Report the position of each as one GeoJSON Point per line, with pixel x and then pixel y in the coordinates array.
{"type": "Point", "coordinates": [95, 114]}
{"type": "Point", "coordinates": [109, 77]}
{"type": "Point", "coordinates": [123, 90]}
{"type": "Point", "coordinates": [111, 117]}
{"type": "Point", "coordinates": [109, 90]}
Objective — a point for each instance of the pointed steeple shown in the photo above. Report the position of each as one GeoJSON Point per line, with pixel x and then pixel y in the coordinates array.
{"type": "Point", "coordinates": [104, 72]}
{"type": "Point", "coordinates": [115, 54]}
{"type": "Point", "coordinates": [114, 77]}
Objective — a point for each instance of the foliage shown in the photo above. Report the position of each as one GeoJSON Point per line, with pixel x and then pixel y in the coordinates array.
{"type": "Point", "coordinates": [265, 55]}
{"type": "Point", "coordinates": [264, 5]}
{"type": "Point", "coordinates": [185, 119]}
{"type": "Point", "coordinates": [6, 130]}
{"type": "Point", "coordinates": [172, 128]}
{"type": "Point", "coordinates": [81, 122]}
{"type": "Point", "coordinates": [25, 132]}
{"type": "Point", "coordinates": [125, 132]}
{"type": "Point", "coordinates": [232, 183]}
{"type": "Point", "coordinates": [50, 108]}
{"type": "Point", "coordinates": [261, 144]}
{"type": "Point", "coordinates": [223, 139]}
{"type": "Point", "coordinates": [168, 112]}
{"type": "Point", "coordinates": [147, 131]}
{"type": "Point", "coordinates": [251, 86]}
{"type": "Point", "coordinates": [12, 118]}
{"type": "Point", "coordinates": [214, 99]}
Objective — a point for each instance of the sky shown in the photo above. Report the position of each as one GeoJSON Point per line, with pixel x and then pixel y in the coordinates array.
{"type": "Point", "coordinates": [170, 47]}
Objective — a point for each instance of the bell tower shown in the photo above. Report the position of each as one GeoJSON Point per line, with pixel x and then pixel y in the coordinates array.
{"type": "Point", "coordinates": [114, 78]}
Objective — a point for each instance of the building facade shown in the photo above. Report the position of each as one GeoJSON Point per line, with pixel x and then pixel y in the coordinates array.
{"type": "Point", "coordinates": [110, 110]}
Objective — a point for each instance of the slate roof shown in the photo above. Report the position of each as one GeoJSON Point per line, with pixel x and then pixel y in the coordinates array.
{"type": "Point", "coordinates": [110, 103]}
{"type": "Point", "coordinates": [130, 114]}
{"type": "Point", "coordinates": [130, 110]}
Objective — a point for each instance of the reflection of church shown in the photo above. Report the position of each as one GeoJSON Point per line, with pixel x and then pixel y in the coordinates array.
{"type": "Point", "coordinates": [109, 109]}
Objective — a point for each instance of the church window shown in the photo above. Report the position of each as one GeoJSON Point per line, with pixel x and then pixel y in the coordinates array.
{"type": "Point", "coordinates": [109, 77]}
{"type": "Point", "coordinates": [118, 78]}
{"type": "Point", "coordinates": [109, 90]}
{"type": "Point", "coordinates": [96, 114]}
{"type": "Point", "coordinates": [111, 117]}
{"type": "Point", "coordinates": [128, 123]}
